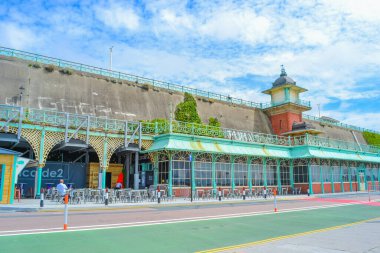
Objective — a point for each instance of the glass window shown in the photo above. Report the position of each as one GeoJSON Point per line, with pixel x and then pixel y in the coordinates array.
{"type": "Point", "coordinates": [271, 173]}
{"type": "Point", "coordinates": [285, 173]}
{"type": "Point", "coordinates": [300, 172]}
{"type": "Point", "coordinates": [368, 173]}
{"type": "Point", "coordinates": [345, 173]}
{"type": "Point", "coordinates": [240, 174]}
{"type": "Point", "coordinates": [223, 174]}
{"type": "Point", "coordinates": [376, 174]}
{"type": "Point", "coordinates": [326, 172]}
{"type": "Point", "coordinates": [163, 172]}
{"type": "Point", "coordinates": [203, 174]}
{"type": "Point", "coordinates": [335, 169]}
{"type": "Point", "coordinates": [257, 173]}
{"type": "Point", "coordinates": [353, 173]}
{"type": "Point", "coordinates": [181, 173]}
{"type": "Point", "coordinates": [315, 172]}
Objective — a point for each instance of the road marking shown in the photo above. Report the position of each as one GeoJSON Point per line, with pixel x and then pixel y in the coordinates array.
{"type": "Point", "coordinates": [161, 222]}
{"type": "Point", "coordinates": [273, 239]}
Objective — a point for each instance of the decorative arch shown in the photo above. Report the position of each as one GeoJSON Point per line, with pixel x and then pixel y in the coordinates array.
{"type": "Point", "coordinates": [203, 157]}
{"type": "Point", "coordinates": [223, 158]}
{"type": "Point", "coordinates": [300, 162]}
{"type": "Point", "coordinates": [257, 160]}
{"type": "Point", "coordinates": [181, 156]}
{"type": "Point", "coordinates": [241, 159]}
{"type": "Point", "coordinates": [32, 136]}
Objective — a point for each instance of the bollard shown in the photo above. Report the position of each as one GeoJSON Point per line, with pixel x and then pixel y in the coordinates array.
{"type": "Point", "coordinates": [220, 194]}
{"type": "Point", "coordinates": [106, 197]}
{"type": "Point", "coordinates": [308, 192]}
{"type": "Point", "coordinates": [243, 193]}
{"type": "Point", "coordinates": [66, 201]}
{"type": "Point", "coordinates": [369, 196]}
{"type": "Point", "coordinates": [275, 200]}
{"type": "Point", "coordinates": [158, 195]}
{"type": "Point", "coordinates": [42, 199]}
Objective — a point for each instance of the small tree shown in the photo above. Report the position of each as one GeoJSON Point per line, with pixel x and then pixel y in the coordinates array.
{"type": "Point", "coordinates": [187, 110]}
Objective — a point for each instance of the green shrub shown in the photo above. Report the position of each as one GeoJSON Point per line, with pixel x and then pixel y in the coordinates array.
{"type": "Point", "coordinates": [372, 138]}
{"type": "Point", "coordinates": [50, 68]}
{"type": "Point", "coordinates": [213, 122]}
{"type": "Point", "coordinates": [36, 65]}
{"type": "Point", "coordinates": [66, 71]}
{"type": "Point", "coordinates": [187, 110]}
{"type": "Point", "coordinates": [145, 86]}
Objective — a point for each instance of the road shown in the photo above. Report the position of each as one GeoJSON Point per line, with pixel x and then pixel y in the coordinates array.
{"type": "Point", "coordinates": [180, 228]}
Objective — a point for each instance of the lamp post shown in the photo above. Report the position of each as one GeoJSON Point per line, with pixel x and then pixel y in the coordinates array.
{"type": "Point", "coordinates": [191, 178]}
{"type": "Point", "coordinates": [111, 57]}
{"type": "Point", "coordinates": [21, 94]}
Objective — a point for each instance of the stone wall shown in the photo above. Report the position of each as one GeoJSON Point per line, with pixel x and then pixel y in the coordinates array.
{"type": "Point", "coordinates": [335, 132]}
{"type": "Point", "coordinates": [92, 94]}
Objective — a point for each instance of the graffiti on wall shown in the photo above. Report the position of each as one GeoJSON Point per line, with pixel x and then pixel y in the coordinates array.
{"type": "Point", "coordinates": [71, 106]}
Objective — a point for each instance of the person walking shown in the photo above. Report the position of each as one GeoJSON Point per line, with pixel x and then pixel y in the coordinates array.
{"type": "Point", "coordinates": [265, 192]}
{"type": "Point", "coordinates": [61, 188]}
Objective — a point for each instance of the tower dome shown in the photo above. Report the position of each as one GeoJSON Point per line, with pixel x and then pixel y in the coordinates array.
{"type": "Point", "coordinates": [283, 79]}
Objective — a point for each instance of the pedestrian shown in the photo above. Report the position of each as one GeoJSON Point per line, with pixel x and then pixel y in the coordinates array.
{"type": "Point", "coordinates": [265, 192]}
{"type": "Point", "coordinates": [61, 188]}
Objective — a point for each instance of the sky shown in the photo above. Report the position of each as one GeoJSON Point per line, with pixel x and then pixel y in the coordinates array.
{"type": "Point", "coordinates": [230, 47]}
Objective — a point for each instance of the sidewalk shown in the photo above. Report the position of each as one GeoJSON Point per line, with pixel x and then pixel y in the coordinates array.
{"type": "Point", "coordinates": [33, 205]}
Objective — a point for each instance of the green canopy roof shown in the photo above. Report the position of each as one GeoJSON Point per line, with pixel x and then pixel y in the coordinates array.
{"type": "Point", "coordinates": [211, 145]}
{"type": "Point", "coordinates": [180, 142]}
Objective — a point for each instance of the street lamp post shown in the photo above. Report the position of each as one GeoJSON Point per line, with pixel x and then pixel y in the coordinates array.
{"type": "Point", "coordinates": [111, 57]}
{"type": "Point", "coordinates": [191, 178]}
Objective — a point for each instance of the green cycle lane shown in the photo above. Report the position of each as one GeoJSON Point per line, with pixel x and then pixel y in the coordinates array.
{"type": "Point", "coordinates": [188, 236]}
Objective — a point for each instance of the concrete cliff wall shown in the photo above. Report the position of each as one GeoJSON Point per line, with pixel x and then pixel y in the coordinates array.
{"type": "Point", "coordinates": [335, 132]}
{"type": "Point", "coordinates": [91, 94]}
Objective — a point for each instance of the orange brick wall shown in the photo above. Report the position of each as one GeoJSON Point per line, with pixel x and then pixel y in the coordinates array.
{"type": "Point", "coordinates": [287, 119]}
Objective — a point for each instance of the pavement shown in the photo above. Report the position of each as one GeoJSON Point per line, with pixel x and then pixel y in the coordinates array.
{"type": "Point", "coordinates": [33, 205]}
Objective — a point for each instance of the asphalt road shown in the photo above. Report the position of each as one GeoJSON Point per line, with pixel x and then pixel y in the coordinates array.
{"type": "Point", "coordinates": [182, 228]}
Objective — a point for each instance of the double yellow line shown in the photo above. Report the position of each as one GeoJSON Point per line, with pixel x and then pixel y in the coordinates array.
{"type": "Point", "coordinates": [273, 239]}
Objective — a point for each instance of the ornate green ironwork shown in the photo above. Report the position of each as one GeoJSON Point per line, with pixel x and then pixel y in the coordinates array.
{"type": "Point", "coordinates": [101, 125]}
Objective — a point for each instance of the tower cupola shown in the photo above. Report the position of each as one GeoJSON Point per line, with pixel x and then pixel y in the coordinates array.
{"type": "Point", "coordinates": [285, 107]}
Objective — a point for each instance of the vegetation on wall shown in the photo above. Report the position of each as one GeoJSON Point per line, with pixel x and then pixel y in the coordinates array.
{"type": "Point", "coordinates": [372, 138]}
{"type": "Point", "coordinates": [187, 121]}
{"type": "Point", "coordinates": [187, 110]}
{"type": "Point", "coordinates": [213, 122]}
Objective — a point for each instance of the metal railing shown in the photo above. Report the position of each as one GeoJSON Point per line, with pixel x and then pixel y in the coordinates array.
{"type": "Point", "coordinates": [122, 76]}
{"type": "Point", "coordinates": [338, 124]}
{"type": "Point", "coordinates": [312, 140]}
{"type": "Point", "coordinates": [59, 119]}
{"type": "Point", "coordinates": [298, 102]}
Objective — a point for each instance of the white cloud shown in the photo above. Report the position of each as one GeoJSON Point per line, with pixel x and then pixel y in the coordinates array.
{"type": "Point", "coordinates": [118, 17]}
{"type": "Point", "coordinates": [16, 36]}
{"type": "Point", "coordinates": [236, 25]}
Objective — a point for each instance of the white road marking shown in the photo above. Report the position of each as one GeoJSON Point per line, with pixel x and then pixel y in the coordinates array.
{"type": "Point", "coordinates": [159, 222]}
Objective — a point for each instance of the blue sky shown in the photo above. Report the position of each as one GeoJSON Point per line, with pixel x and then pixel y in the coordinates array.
{"type": "Point", "coordinates": [231, 47]}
